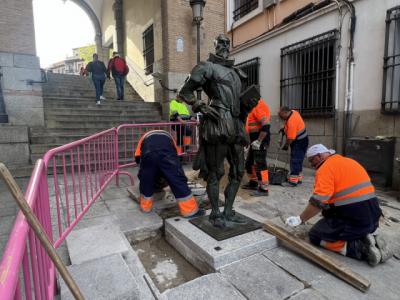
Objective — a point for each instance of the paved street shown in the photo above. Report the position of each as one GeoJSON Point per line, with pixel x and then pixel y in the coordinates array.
{"type": "Point", "coordinates": [274, 274]}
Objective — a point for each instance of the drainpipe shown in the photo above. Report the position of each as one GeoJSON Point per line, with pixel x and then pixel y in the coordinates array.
{"type": "Point", "coordinates": [347, 120]}
{"type": "Point", "coordinates": [336, 116]}
{"type": "Point", "coordinates": [3, 115]}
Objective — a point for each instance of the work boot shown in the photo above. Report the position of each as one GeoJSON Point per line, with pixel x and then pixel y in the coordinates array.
{"type": "Point", "coordinates": [383, 248]}
{"type": "Point", "coordinates": [370, 251]}
{"type": "Point", "coordinates": [288, 184]}
{"type": "Point", "coordinates": [251, 185]}
{"type": "Point", "coordinates": [260, 193]}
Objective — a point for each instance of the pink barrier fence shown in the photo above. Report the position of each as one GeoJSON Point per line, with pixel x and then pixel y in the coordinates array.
{"type": "Point", "coordinates": [129, 135]}
{"type": "Point", "coordinates": [80, 172]}
{"type": "Point", "coordinates": [26, 270]}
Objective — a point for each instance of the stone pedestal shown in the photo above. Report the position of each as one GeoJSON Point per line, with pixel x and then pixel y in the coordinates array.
{"type": "Point", "coordinates": [209, 255]}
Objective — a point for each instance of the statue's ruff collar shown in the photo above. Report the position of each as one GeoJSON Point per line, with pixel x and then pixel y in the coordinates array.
{"type": "Point", "coordinates": [221, 61]}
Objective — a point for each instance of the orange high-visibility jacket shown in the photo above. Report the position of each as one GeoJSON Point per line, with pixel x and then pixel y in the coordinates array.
{"type": "Point", "coordinates": [258, 117]}
{"type": "Point", "coordinates": [295, 129]}
{"type": "Point", "coordinates": [138, 150]}
{"type": "Point", "coordinates": [342, 181]}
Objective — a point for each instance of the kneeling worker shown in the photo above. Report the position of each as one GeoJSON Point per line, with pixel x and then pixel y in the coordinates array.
{"type": "Point", "coordinates": [344, 193]}
{"type": "Point", "coordinates": [157, 153]}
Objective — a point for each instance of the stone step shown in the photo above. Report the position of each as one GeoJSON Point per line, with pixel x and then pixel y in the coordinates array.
{"type": "Point", "coordinates": [101, 118]}
{"type": "Point", "coordinates": [108, 95]}
{"type": "Point", "coordinates": [74, 102]}
{"type": "Point", "coordinates": [83, 89]}
{"type": "Point", "coordinates": [40, 131]}
{"type": "Point", "coordinates": [97, 111]}
{"type": "Point", "coordinates": [77, 125]}
{"type": "Point", "coordinates": [55, 139]}
{"type": "Point", "coordinates": [105, 106]}
{"type": "Point", "coordinates": [44, 147]}
{"type": "Point", "coordinates": [98, 116]}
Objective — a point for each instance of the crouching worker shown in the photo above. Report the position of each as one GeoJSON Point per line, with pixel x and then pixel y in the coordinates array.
{"type": "Point", "coordinates": [157, 154]}
{"type": "Point", "coordinates": [344, 193]}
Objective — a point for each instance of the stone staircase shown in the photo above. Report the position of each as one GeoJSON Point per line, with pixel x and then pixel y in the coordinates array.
{"type": "Point", "coordinates": [71, 112]}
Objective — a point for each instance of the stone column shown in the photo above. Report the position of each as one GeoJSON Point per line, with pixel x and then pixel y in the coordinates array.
{"type": "Point", "coordinates": [119, 25]}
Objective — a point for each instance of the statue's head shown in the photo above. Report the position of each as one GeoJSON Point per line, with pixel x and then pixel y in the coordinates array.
{"type": "Point", "coordinates": [222, 46]}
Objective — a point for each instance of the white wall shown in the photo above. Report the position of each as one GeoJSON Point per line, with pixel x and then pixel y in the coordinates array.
{"type": "Point", "coordinates": [368, 51]}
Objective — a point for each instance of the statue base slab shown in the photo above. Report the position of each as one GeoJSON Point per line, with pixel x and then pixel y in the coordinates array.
{"type": "Point", "coordinates": [208, 254]}
{"type": "Point", "coordinates": [231, 229]}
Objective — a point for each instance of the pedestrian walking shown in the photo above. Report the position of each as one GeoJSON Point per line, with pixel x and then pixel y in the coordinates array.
{"type": "Point", "coordinates": [98, 70]}
{"type": "Point", "coordinates": [119, 69]}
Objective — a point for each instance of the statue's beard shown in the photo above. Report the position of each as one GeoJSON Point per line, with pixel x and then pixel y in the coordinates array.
{"type": "Point", "coordinates": [223, 52]}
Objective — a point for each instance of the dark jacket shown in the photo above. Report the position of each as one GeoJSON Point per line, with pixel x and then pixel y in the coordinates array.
{"type": "Point", "coordinates": [98, 69]}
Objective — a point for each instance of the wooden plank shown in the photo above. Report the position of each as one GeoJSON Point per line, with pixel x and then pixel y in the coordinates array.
{"type": "Point", "coordinates": [320, 258]}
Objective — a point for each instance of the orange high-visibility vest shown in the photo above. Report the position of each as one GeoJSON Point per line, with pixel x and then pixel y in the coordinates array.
{"type": "Point", "coordinates": [258, 117]}
{"type": "Point", "coordinates": [295, 129]}
{"type": "Point", "coordinates": [138, 150]}
{"type": "Point", "coordinates": [342, 181]}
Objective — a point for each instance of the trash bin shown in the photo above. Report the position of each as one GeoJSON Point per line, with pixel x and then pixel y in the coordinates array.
{"type": "Point", "coordinates": [376, 155]}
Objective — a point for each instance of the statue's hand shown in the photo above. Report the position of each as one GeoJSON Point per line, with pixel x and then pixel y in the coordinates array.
{"type": "Point", "coordinates": [207, 111]}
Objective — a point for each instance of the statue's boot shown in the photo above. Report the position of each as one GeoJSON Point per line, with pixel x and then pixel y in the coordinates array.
{"type": "Point", "coordinates": [230, 194]}
{"type": "Point", "coordinates": [216, 218]}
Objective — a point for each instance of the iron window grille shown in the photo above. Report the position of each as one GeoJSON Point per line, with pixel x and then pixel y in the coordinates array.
{"type": "Point", "coordinates": [308, 75]}
{"type": "Point", "coordinates": [243, 7]}
{"type": "Point", "coordinates": [252, 69]}
{"type": "Point", "coordinates": [391, 63]}
{"type": "Point", "coordinates": [148, 49]}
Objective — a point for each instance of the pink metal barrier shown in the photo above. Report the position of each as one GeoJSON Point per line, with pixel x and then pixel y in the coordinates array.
{"type": "Point", "coordinates": [186, 137]}
{"type": "Point", "coordinates": [80, 172]}
{"type": "Point", "coordinates": [25, 269]}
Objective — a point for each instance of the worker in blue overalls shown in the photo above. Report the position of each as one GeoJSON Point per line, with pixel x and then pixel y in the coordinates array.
{"type": "Point", "coordinates": [157, 154]}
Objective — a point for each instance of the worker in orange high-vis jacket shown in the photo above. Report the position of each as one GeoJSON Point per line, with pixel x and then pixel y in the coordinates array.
{"type": "Point", "coordinates": [157, 154]}
{"type": "Point", "coordinates": [344, 193]}
{"type": "Point", "coordinates": [297, 139]}
{"type": "Point", "coordinates": [258, 128]}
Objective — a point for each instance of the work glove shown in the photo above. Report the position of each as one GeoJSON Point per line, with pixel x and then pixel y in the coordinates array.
{"type": "Point", "coordinates": [256, 145]}
{"type": "Point", "coordinates": [293, 221]}
{"type": "Point", "coordinates": [285, 147]}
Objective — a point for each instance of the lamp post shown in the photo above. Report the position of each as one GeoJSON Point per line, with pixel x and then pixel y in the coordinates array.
{"type": "Point", "coordinates": [197, 10]}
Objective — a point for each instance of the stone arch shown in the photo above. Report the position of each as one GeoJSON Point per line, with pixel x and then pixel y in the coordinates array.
{"type": "Point", "coordinates": [97, 26]}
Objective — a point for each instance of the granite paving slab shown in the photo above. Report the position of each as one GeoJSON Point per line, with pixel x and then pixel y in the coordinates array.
{"type": "Point", "coordinates": [258, 278]}
{"type": "Point", "coordinates": [103, 278]}
{"type": "Point", "coordinates": [210, 287]}
{"type": "Point", "coordinates": [95, 242]}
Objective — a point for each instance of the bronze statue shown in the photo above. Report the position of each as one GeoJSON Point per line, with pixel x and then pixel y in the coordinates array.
{"type": "Point", "coordinates": [222, 132]}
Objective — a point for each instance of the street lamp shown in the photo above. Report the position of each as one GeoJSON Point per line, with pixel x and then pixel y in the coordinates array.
{"type": "Point", "coordinates": [197, 10]}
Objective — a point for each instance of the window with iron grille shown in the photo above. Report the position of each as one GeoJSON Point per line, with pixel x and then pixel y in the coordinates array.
{"type": "Point", "coordinates": [252, 69]}
{"type": "Point", "coordinates": [391, 65]}
{"type": "Point", "coordinates": [243, 7]}
{"type": "Point", "coordinates": [308, 74]}
{"type": "Point", "coordinates": [148, 49]}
